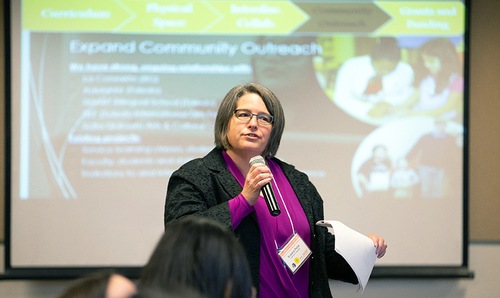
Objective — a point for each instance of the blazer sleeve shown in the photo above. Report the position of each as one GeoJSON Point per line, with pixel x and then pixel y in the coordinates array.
{"type": "Point", "coordinates": [337, 266]}
{"type": "Point", "coordinates": [192, 190]}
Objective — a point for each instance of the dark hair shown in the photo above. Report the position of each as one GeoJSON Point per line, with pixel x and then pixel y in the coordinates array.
{"type": "Point", "coordinates": [201, 254]}
{"type": "Point", "coordinates": [445, 51]}
{"type": "Point", "coordinates": [386, 48]}
{"type": "Point", "coordinates": [179, 291]}
{"type": "Point", "coordinates": [93, 285]}
{"type": "Point", "coordinates": [228, 105]}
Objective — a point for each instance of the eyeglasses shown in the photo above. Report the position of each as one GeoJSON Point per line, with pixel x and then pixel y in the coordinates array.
{"type": "Point", "coordinates": [246, 116]}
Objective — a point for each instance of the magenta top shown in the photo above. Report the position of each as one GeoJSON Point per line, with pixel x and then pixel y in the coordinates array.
{"type": "Point", "coordinates": [276, 280]}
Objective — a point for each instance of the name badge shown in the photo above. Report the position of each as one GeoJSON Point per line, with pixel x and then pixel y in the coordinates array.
{"type": "Point", "coordinates": [294, 253]}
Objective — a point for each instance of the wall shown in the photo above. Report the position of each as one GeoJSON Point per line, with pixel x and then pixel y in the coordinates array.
{"type": "Point", "coordinates": [484, 121]}
{"type": "Point", "coordinates": [2, 125]}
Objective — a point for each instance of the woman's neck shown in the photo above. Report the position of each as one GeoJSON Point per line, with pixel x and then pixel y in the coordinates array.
{"type": "Point", "coordinates": [241, 160]}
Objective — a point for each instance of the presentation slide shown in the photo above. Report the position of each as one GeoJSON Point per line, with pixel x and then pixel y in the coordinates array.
{"type": "Point", "coordinates": [108, 98]}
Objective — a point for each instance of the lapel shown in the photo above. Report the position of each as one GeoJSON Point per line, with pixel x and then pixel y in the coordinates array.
{"type": "Point", "coordinates": [299, 187]}
{"type": "Point", "coordinates": [215, 162]}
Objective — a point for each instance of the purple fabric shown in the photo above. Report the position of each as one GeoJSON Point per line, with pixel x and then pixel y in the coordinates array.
{"type": "Point", "coordinates": [275, 279]}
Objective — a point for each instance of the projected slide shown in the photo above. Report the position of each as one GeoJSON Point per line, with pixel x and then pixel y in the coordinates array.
{"type": "Point", "coordinates": [110, 97]}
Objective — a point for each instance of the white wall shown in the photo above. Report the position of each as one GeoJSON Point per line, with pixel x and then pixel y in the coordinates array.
{"type": "Point", "coordinates": [484, 260]}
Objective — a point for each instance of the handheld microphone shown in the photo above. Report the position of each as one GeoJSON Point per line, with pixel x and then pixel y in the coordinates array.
{"type": "Point", "coordinates": [267, 190]}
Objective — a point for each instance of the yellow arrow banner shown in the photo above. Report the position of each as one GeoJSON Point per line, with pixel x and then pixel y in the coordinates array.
{"type": "Point", "coordinates": [74, 15]}
{"type": "Point", "coordinates": [245, 17]}
{"type": "Point", "coordinates": [163, 16]}
{"type": "Point", "coordinates": [423, 18]}
{"type": "Point", "coordinates": [270, 17]}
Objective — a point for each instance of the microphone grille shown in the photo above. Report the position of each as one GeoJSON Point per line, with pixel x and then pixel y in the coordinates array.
{"type": "Point", "coordinates": [256, 159]}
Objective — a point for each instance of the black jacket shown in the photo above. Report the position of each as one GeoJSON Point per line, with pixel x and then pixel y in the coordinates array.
{"type": "Point", "coordinates": [203, 186]}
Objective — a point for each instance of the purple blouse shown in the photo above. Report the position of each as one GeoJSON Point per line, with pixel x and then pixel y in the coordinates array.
{"type": "Point", "coordinates": [276, 280]}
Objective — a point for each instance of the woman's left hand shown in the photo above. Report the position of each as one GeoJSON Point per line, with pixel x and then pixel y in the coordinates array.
{"type": "Point", "coordinates": [380, 244]}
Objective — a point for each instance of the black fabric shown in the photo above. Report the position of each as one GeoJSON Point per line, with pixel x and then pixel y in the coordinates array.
{"type": "Point", "coordinates": [203, 187]}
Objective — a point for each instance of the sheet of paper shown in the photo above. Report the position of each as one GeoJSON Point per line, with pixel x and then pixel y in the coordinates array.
{"type": "Point", "coordinates": [357, 249]}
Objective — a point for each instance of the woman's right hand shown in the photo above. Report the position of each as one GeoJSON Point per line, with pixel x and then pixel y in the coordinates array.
{"type": "Point", "coordinates": [258, 176]}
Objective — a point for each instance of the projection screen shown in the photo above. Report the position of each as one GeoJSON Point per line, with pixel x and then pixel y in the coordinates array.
{"type": "Point", "coordinates": [107, 98]}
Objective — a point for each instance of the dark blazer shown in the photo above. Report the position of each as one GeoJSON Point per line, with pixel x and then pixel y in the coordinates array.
{"type": "Point", "coordinates": [203, 186]}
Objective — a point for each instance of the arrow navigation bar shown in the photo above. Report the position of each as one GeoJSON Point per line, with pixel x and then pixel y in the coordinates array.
{"type": "Point", "coordinates": [245, 17]}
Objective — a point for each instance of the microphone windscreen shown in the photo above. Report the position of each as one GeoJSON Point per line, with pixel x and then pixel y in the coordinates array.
{"type": "Point", "coordinates": [256, 159]}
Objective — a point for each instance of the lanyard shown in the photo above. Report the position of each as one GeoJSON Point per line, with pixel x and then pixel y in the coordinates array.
{"type": "Point", "coordinates": [287, 213]}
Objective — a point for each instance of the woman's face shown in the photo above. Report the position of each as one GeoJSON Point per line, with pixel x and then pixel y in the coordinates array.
{"type": "Point", "coordinates": [249, 138]}
{"type": "Point", "coordinates": [432, 63]}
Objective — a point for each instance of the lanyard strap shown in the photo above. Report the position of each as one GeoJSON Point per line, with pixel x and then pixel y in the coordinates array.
{"type": "Point", "coordinates": [287, 213]}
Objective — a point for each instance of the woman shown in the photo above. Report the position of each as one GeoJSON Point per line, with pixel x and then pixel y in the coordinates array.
{"type": "Point", "coordinates": [440, 91]}
{"type": "Point", "coordinates": [198, 256]}
{"type": "Point", "coordinates": [223, 186]}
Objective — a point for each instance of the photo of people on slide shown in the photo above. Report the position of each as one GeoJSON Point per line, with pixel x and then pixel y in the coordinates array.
{"type": "Point", "coordinates": [409, 158]}
{"type": "Point", "coordinates": [385, 78]}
